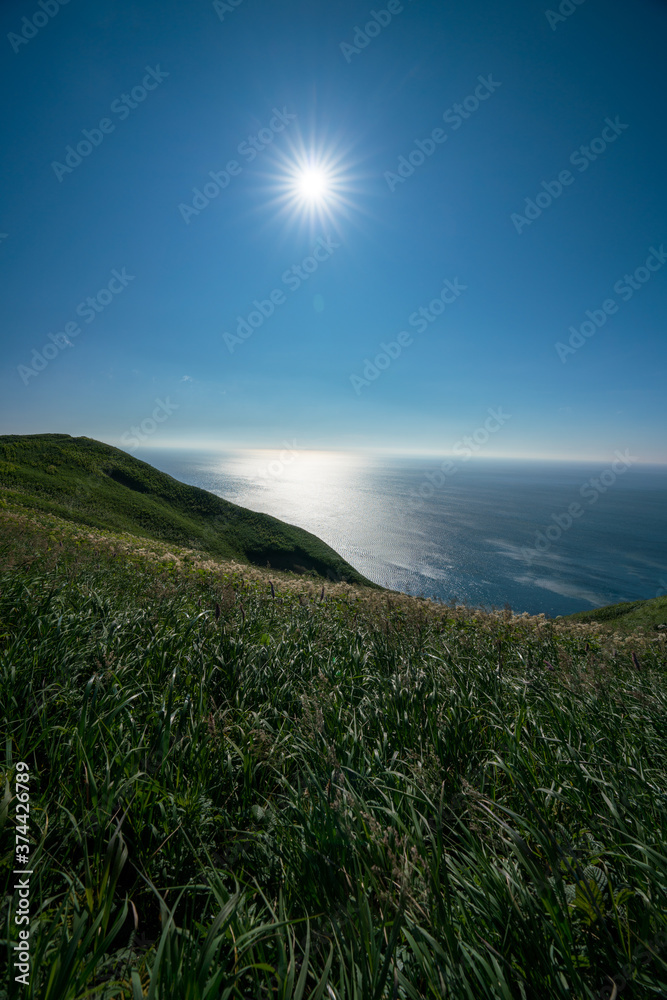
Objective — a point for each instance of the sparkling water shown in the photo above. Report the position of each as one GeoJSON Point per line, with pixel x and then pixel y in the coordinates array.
{"type": "Point", "coordinates": [550, 537]}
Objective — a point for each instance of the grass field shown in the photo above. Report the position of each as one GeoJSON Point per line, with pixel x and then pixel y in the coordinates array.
{"type": "Point", "coordinates": [245, 783]}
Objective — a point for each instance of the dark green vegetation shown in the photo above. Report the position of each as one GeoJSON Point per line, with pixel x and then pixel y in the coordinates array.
{"type": "Point", "coordinates": [91, 483]}
{"type": "Point", "coordinates": [629, 615]}
{"type": "Point", "coordinates": [243, 793]}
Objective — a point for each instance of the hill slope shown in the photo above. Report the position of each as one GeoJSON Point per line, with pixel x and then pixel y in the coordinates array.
{"type": "Point", "coordinates": [627, 616]}
{"type": "Point", "coordinates": [91, 483]}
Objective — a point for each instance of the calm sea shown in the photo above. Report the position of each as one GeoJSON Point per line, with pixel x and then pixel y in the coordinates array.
{"type": "Point", "coordinates": [548, 537]}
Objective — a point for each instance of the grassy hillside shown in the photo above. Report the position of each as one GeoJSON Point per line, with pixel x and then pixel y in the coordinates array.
{"type": "Point", "coordinates": [629, 615]}
{"type": "Point", "coordinates": [91, 483]}
{"type": "Point", "coordinates": [245, 785]}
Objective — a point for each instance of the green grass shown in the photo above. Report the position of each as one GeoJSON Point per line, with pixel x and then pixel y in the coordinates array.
{"type": "Point", "coordinates": [93, 484]}
{"type": "Point", "coordinates": [245, 784]}
{"type": "Point", "coordinates": [627, 616]}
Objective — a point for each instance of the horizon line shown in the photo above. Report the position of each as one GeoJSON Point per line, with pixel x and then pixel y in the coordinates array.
{"type": "Point", "coordinates": [381, 452]}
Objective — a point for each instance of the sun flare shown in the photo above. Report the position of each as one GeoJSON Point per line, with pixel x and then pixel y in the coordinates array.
{"type": "Point", "coordinates": [313, 184]}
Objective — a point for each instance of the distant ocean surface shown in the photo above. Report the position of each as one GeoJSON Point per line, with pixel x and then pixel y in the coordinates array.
{"type": "Point", "coordinates": [480, 537]}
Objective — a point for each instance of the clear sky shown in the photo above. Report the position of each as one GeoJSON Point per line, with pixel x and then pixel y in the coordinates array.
{"type": "Point", "coordinates": [492, 177]}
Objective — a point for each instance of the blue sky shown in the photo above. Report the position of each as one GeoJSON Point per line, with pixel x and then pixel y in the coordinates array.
{"type": "Point", "coordinates": [561, 116]}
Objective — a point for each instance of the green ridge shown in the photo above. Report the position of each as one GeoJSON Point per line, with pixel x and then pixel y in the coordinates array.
{"type": "Point", "coordinates": [94, 484]}
{"type": "Point", "coordinates": [626, 616]}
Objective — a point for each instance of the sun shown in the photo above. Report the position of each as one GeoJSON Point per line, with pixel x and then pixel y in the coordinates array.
{"type": "Point", "coordinates": [312, 184]}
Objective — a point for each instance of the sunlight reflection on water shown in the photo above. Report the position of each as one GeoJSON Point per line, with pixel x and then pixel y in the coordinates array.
{"type": "Point", "coordinates": [467, 539]}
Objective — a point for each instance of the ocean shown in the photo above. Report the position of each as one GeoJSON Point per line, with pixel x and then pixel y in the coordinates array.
{"type": "Point", "coordinates": [552, 537]}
